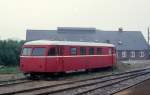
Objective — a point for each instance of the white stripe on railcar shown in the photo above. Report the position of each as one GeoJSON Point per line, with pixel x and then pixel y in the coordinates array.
{"type": "Point", "coordinates": [67, 56]}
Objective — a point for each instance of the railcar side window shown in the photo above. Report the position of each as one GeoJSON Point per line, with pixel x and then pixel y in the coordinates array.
{"type": "Point", "coordinates": [82, 51]}
{"type": "Point", "coordinates": [91, 51]}
{"type": "Point", "coordinates": [52, 51]}
{"type": "Point", "coordinates": [26, 51]}
{"type": "Point", "coordinates": [99, 51]}
{"type": "Point", "coordinates": [113, 51]}
{"type": "Point", "coordinates": [73, 51]}
{"type": "Point", "coordinates": [60, 51]}
{"type": "Point", "coordinates": [110, 51]}
{"type": "Point", "coordinates": [38, 52]}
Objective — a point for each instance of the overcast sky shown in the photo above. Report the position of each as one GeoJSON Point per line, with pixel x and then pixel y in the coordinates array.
{"type": "Point", "coordinates": [18, 15]}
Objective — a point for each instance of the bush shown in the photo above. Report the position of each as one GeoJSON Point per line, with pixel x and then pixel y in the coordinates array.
{"type": "Point", "coordinates": [9, 52]}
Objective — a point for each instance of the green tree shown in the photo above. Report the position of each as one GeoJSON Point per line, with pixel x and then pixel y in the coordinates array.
{"type": "Point", "coordinates": [10, 51]}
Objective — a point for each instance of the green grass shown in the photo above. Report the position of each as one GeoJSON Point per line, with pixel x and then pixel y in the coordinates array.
{"type": "Point", "coordinates": [9, 70]}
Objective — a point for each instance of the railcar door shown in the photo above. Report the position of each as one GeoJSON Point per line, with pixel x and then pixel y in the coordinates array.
{"type": "Point", "coordinates": [114, 60]}
{"type": "Point", "coordinates": [60, 58]}
{"type": "Point", "coordinates": [111, 53]}
{"type": "Point", "coordinates": [53, 64]}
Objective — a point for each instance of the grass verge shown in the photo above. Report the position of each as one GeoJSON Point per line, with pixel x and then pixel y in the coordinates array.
{"type": "Point", "coordinates": [9, 70]}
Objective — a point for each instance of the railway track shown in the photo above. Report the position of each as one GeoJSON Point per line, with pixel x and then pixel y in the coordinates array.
{"type": "Point", "coordinates": [86, 87]}
{"type": "Point", "coordinates": [14, 82]}
{"type": "Point", "coordinates": [83, 86]}
{"type": "Point", "coordinates": [127, 87]}
{"type": "Point", "coordinates": [4, 81]}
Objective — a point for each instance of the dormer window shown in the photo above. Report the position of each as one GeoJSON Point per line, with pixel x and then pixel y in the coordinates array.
{"type": "Point", "coordinates": [107, 41]}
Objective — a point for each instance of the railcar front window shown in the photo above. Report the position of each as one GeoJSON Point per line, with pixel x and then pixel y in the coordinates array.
{"type": "Point", "coordinates": [38, 52]}
{"type": "Point", "coordinates": [26, 51]}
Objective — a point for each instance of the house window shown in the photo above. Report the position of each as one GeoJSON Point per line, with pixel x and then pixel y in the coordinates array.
{"type": "Point", "coordinates": [124, 54]}
{"type": "Point", "coordinates": [132, 54]}
{"type": "Point", "coordinates": [73, 51]}
{"type": "Point", "coordinates": [141, 54]}
{"type": "Point", "coordinates": [117, 54]}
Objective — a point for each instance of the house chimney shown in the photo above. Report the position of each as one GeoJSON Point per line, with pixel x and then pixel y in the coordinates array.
{"type": "Point", "coordinates": [120, 29]}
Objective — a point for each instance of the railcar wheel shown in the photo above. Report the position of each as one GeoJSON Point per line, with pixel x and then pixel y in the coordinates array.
{"type": "Point", "coordinates": [60, 74]}
{"type": "Point", "coordinates": [27, 75]}
{"type": "Point", "coordinates": [33, 76]}
{"type": "Point", "coordinates": [88, 70]}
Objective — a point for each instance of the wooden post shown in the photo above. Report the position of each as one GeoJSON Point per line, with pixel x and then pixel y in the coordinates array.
{"type": "Point", "coordinates": [148, 44]}
{"type": "Point", "coordinates": [148, 36]}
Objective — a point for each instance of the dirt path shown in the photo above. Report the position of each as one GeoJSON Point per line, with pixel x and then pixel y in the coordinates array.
{"type": "Point", "coordinates": [10, 76]}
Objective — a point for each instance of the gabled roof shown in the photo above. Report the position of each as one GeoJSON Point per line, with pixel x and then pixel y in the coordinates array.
{"type": "Point", "coordinates": [123, 40]}
{"type": "Point", "coordinates": [126, 40]}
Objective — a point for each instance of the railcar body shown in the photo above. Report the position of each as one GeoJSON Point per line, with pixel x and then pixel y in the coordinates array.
{"type": "Point", "coordinates": [44, 56]}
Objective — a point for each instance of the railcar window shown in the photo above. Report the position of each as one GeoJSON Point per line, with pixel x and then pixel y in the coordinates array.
{"type": "Point", "coordinates": [91, 51]}
{"type": "Point", "coordinates": [99, 51]}
{"type": "Point", "coordinates": [110, 51]}
{"type": "Point", "coordinates": [73, 51]}
{"type": "Point", "coordinates": [52, 52]}
{"type": "Point", "coordinates": [82, 51]}
{"type": "Point", "coordinates": [38, 52]}
{"type": "Point", "coordinates": [26, 51]}
{"type": "Point", "coordinates": [60, 51]}
{"type": "Point", "coordinates": [113, 51]}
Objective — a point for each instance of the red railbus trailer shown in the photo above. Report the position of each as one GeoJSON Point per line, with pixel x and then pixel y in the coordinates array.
{"type": "Point", "coordinates": [44, 56]}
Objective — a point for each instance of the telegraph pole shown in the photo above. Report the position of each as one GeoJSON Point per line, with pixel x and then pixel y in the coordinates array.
{"type": "Point", "coordinates": [148, 36]}
{"type": "Point", "coordinates": [148, 48]}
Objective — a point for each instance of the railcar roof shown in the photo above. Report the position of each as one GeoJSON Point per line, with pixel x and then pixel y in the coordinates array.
{"type": "Point", "coordinates": [47, 42]}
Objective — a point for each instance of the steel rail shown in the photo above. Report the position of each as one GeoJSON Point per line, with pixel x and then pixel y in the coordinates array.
{"type": "Point", "coordinates": [115, 92]}
{"type": "Point", "coordinates": [15, 82]}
